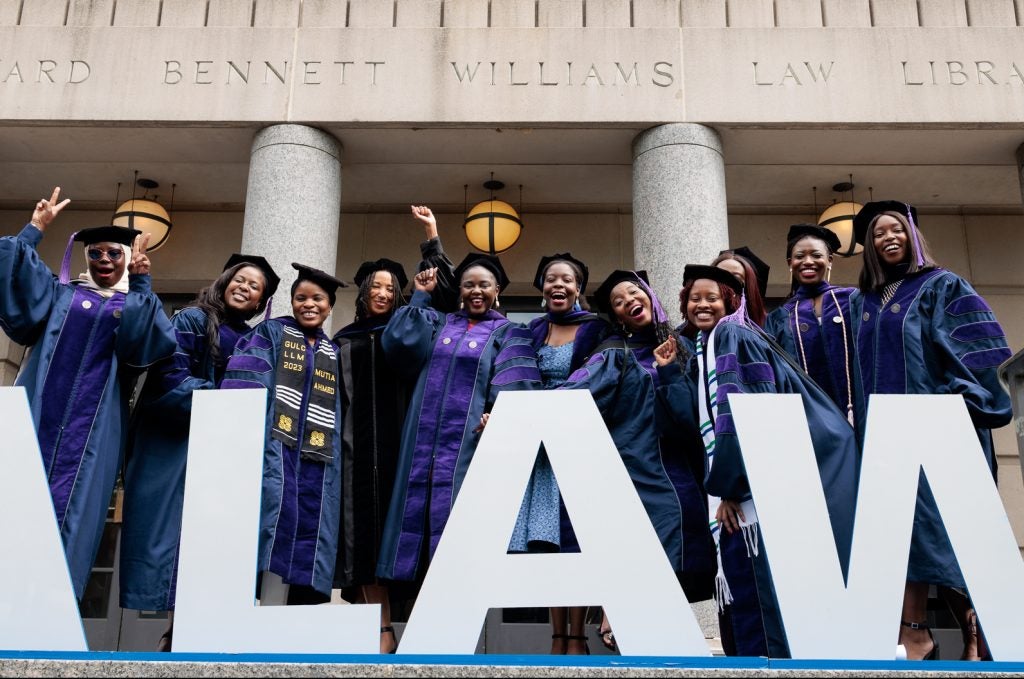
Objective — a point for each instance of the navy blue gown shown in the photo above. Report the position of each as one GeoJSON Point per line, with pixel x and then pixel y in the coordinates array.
{"type": "Point", "coordinates": [86, 350]}
{"type": "Point", "coordinates": [935, 336]}
{"type": "Point", "coordinates": [155, 470]}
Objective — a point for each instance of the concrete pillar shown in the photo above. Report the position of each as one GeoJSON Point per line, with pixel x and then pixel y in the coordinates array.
{"type": "Point", "coordinates": [293, 203]}
{"type": "Point", "coordinates": [679, 208]}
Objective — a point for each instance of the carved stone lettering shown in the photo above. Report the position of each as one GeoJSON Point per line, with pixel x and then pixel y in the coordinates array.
{"type": "Point", "coordinates": [958, 73]}
{"type": "Point", "coordinates": [551, 74]}
{"type": "Point", "coordinates": [793, 73]}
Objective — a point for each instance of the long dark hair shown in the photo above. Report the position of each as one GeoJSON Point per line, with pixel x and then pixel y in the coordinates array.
{"type": "Point", "coordinates": [873, 274]}
{"type": "Point", "coordinates": [211, 300]}
{"type": "Point", "coordinates": [755, 303]}
{"type": "Point", "coordinates": [363, 308]}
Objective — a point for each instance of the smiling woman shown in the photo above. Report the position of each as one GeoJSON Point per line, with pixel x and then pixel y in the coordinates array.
{"type": "Point", "coordinates": [90, 339]}
{"type": "Point", "coordinates": [207, 331]}
{"type": "Point", "coordinates": [294, 360]}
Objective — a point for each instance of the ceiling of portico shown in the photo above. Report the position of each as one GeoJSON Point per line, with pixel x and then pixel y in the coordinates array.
{"type": "Point", "coordinates": [561, 170]}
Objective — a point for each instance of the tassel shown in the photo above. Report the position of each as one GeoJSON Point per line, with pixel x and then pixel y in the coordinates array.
{"type": "Point", "coordinates": [849, 414]}
{"type": "Point", "coordinates": [65, 265]}
{"type": "Point", "coordinates": [749, 527]}
{"type": "Point", "coordinates": [723, 595]}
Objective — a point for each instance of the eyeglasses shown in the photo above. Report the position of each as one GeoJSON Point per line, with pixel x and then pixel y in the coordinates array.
{"type": "Point", "coordinates": [95, 254]}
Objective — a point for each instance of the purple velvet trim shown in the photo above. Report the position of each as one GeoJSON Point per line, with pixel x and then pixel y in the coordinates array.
{"type": "Point", "coordinates": [970, 332]}
{"type": "Point", "coordinates": [519, 373]}
{"type": "Point", "coordinates": [254, 364]}
{"type": "Point", "coordinates": [812, 291]}
{"type": "Point", "coordinates": [65, 264]}
{"type": "Point", "coordinates": [724, 424]}
{"type": "Point", "coordinates": [513, 350]}
{"type": "Point", "coordinates": [448, 396]}
{"type": "Point", "coordinates": [752, 373]}
{"type": "Point", "coordinates": [988, 358]}
{"type": "Point", "coordinates": [726, 363]}
{"type": "Point", "coordinates": [77, 379]}
{"type": "Point", "coordinates": [186, 341]}
{"type": "Point", "coordinates": [726, 388]}
{"type": "Point", "coordinates": [241, 384]}
{"type": "Point", "coordinates": [254, 340]}
{"type": "Point", "coordinates": [967, 305]}
{"type": "Point", "coordinates": [310, 487]}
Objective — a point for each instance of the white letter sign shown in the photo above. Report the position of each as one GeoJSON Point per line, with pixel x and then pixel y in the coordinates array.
{"type": "Point", "coordinates": [859, 620]}
{"type": "Point", "coordinates": [216, 609]}
{"type": "Point", "coordinates": [38, 610]}
{"type": "Point", "coordinates": [621, 564]}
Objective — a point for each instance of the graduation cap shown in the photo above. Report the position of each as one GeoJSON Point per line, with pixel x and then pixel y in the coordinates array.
{"type": "Point", "coordinates": [329, 283]}
{"type": "Point", "coordinates": [694, 272]}
{"type": "Point", "coordinates": [107, 234]}
{"type": "Point", "coordinates": [367, 269]}
{"type": "Point", "coordinates": [545, 262]}
{"type": "Point", "coordinates": [761, 267]}
{"type": "Point", "coordinates": [602, 296]}
{"type": "Point", "coordinates": [867, 214]}
{"type": "Point", "coordinates": [273, 280]}
{"type": "Point", "coordinates": [798, 231]}
{"type": "Point", "coordinates": [98, 234]}
{"type": "Point", "coordinates": [489, 262]}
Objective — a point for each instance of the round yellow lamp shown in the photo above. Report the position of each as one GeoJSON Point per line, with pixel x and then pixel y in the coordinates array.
{"type": "Point", "coordinates": [492, 226]}
{"type": "Point", "coordinates": [147, 216]}
{"type": "Point", "coordinates": [839, 218]}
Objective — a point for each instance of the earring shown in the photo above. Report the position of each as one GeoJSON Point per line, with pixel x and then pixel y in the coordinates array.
{"type": "Point", "coordinates": [543, 303]}
{"type": "Point", "coordinates": [828, 274]}
{"type": "Point", "coordinates": [497, 303]}
{"type": "Point", "coordinates": [462, 305]}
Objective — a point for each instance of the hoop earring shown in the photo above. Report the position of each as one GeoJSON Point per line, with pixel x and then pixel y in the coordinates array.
{"type": "Point", "coordinates": [543, 303]}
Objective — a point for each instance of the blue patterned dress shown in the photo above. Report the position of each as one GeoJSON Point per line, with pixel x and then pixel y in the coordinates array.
{"type": "Point", "coordinates": [538, 526]}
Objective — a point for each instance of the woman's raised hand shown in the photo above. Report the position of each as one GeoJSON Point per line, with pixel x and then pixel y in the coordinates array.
{"type": "Point", "coordinates": [425, 215]}
{"type": "Point", "coordinates": [665, 352]}
{"type": "Point", "coordinates": [426, 280]}
{"type": "Point", "coordinates": [140, 262]}
{"type": "Point", "coordinates": [47, 210]}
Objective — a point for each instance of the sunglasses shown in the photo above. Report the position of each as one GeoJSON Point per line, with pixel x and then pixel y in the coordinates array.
{"type": "Point", "coordinates": [95, 254]}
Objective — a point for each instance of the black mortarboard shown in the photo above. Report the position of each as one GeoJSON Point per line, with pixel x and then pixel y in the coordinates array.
{"type": "Point", "coordinates": [329, 283]}
{"type": "Point", "coordinates": [761, 267]}
{"type": "Point", "coordinates": [867, 213]}
{"type": "Point", "coordinates": [798, 231]}
{"type": "Point", "coordinates": [604, 292]}
{"type": "Point", "coordinates": [367, 269]}
{"type": "Point", "coordinates": [273, 280]}
{"type": "Point", "coordinates": [108, 234]}
{"type": "Point", "coordinates": [694, 272]}
{"type": "Point", "coordinates": [545, 262]}
{"type": "Point", "coordinates": [489, 262]}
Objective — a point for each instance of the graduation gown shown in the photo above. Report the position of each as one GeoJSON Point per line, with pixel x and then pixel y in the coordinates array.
{"type": "Point", "coordinates": [826, 348]}
{"type": "Point", "coordinates": [86, 351]}
{"type": "Point", "coordinates": [935, 336]}
{"type": "Point", "coordinates": [301, 498]}
{"type": "Point", "coordinates": [623, 379]}
{"type": "Point", "coordinates": [459, 372]}
{"type": "Point", "coordinates": [378, 399]}
{"type": "Point", "coordinates": [747, 363]}
{"type": "Point", "coordinates": [158, 449]}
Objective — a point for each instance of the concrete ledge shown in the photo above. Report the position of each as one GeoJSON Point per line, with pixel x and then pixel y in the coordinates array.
{"type": "Point", "coordinates": [13, 664]}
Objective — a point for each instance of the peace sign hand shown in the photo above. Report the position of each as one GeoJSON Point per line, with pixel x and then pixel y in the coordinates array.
{"type": "Point", "coordinates": [47, 210]}
{"type": "Point", "coordinates": [140, 262]}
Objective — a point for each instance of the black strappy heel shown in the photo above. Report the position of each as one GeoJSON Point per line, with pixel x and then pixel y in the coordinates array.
{"type": "Point", "coordinates": [932, 654]}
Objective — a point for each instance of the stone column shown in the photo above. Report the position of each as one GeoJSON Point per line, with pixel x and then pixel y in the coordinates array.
{"type": "Point", "coordinates": [679, 208]}
{"type": "Point", "coordinates": [293, 203]}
